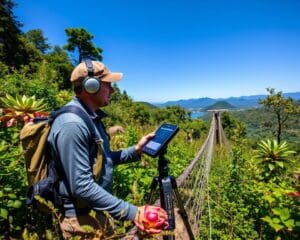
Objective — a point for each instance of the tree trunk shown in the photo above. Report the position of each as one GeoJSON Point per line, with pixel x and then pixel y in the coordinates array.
{"type": "Point", "coordinates": [279, 127]}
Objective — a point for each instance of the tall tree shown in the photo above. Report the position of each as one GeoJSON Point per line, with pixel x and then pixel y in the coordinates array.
{"type": "Point", "coordinates": [9, 34]}
{"type": "Point", "coordinates": [79, 39]}
{"type": "Point", "coordinates": [235, 129]}
{"type": "Point", "coordinates": [15, 49]}
{"type": "Point", "coordinates": [58, 60]}
{"type": "Point", "coordinates": [36, 37]}
{"type": "Point", "coordinates": [282, 107]}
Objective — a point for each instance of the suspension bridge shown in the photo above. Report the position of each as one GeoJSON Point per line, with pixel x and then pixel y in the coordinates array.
{"type": "Point", "coordinates": [192, 184]}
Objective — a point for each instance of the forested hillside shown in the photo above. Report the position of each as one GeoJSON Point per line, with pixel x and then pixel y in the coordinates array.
{"type": "Point", "coordinates": [253, 190]}
{"type": "Point", "coordinates": [260, 124]}
{"type": "Point", "coordinates": [220, 105]}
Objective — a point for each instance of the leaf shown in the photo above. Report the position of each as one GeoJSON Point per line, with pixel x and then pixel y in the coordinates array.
{"type": "Point", "coordinates": [49, 235]}
{"type": "Point", "coordinates": [12, 196]}
{"type": "Point", "coordinates": [276, 226]}
{"type": "Point", "coordinates": [3, 213]}
{"type": "Point", "coordinates": [25, 234]}
{"type": "Point", "coordinates": [269, 198]}
{"type": "Point", "coordinates": [17, 204]}
{"type": "Point", "coordinates": [282, 213]}
{"type": "Point", "coordinates": [289, 223]}
{"type": "Point", "coordinates": [275, 220]}
{"type": "Point", "coordinates": [19, 100]}
{"type": "Point", "coordinates": [267, 219]}
{"type": "Point", "coordinates": [29, 236]}
{"type": "Point", "coordinates": [279, 163]}
{"type": "Point", "coordinates": [10, 203]}
{"type": "Point", "coordinates": [10, 219]}
{"type": "Point", "coordinates": [271, 166]}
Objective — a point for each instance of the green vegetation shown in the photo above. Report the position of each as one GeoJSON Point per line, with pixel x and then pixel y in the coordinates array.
{"type": "Point", "coordinates": [261, 123]}
{"type": "Point", "coordinates": [282, 108]}
{"type": "Point", "coordinates": [253, 191]}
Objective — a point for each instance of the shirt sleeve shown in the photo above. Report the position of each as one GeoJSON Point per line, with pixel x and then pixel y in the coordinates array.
{"type": "Point", "coordinates": [125, 156]}
{"type": "Point", "coordinates": [72, 144]}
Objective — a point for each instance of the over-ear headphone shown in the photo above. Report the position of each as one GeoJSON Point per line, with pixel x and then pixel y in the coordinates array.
{"type": "Point", "coordinates": [91, 83]}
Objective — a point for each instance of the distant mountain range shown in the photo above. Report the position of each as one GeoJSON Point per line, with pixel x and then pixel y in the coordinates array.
{"type": "Point", "coordinates": [242, 102]}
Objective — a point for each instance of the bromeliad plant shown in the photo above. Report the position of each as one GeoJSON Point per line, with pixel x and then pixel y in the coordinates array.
{"type": "Point", "coordinates": [21, 109]}
{"type": "Point", "coordinates": [274, 158]}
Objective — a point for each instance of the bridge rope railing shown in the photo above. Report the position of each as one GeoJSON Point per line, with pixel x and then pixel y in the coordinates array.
{"type": "Point", "coordinates": [193, 182]}
{"type": "Point", "coordinates": [182, 178]}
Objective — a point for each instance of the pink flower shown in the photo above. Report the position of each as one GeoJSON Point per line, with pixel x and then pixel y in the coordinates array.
{"type": "Point", "coordinates": [12, 122]}
{"type": "Point", "coordinates": [26, 118]}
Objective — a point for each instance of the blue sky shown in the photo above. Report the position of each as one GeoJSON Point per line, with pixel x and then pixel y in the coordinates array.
{"type": "Point", "coordinates": [182, 49]}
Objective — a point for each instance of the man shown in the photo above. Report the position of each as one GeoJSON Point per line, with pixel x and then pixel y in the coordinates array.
{"type": "Point", "coordinates": [71, 147]}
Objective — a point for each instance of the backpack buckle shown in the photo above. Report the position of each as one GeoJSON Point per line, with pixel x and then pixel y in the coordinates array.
{"type": "Point", "coordinates": [99, 141]}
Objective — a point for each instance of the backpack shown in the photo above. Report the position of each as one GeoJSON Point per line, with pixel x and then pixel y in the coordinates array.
{"type": "Point", "coordinates": [42, 171]}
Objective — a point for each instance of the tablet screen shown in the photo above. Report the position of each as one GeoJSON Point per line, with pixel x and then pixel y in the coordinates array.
{"type": "Point", "coordinates": [162, 136]}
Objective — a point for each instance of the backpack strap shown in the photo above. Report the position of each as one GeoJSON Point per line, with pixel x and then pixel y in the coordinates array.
{"type": "Point", "coordinates": [79, 112]}
{"type": "Point", "coordinates": [85, 117]}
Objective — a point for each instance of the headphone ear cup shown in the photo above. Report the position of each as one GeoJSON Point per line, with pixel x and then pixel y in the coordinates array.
{"type": "Point", "coordinates": [91, 85]}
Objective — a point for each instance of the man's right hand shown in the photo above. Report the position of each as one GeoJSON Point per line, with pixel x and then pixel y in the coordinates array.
{"type": "Point", "coordinates": [151, 219]}
{"type": "Point", "coordinates": [143, 141]}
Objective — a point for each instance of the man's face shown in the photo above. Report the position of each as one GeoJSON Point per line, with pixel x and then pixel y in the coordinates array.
{"type": "Point", "coordinates": [103, 96]}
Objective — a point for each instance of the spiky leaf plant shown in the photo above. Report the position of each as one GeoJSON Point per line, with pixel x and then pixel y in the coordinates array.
{"type": "Point", "coordinates": [21, 108]}
{"type": "Point", "coordinates": [274, 157]}
{"type": "Point", "coordinates": [24, 104]}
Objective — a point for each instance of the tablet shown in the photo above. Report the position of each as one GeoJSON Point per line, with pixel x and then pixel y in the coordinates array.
{"type": "Point", "coordinates": [163, 136]}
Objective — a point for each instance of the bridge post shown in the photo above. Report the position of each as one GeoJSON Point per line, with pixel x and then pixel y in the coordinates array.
{"type": "Point", "coordinates": [218, 131]}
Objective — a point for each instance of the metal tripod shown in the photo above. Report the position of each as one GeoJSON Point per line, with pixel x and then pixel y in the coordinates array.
{"type": "Point", "coordinates": [168, 187]}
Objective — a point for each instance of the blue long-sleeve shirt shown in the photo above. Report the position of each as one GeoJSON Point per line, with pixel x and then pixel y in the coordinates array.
{"type": "Point", "coordinates": [71, 145]}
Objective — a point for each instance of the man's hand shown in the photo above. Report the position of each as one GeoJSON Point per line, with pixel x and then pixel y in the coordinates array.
{"type": "Point", "coordinates": [151, 219]}
{"type": "Point", "coordinates": [143, 141]}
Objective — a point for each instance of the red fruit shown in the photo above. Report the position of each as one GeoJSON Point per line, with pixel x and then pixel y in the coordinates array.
{"type": "Point", "coordinates": [151, 216]}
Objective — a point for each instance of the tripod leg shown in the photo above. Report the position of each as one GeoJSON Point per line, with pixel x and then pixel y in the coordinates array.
{"type": "Point", "coordinates": [182, 211]}
{"type": "Point", "coordinates": [166, 199]}
{"type": "Point", "coordinates": [152, 189]}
